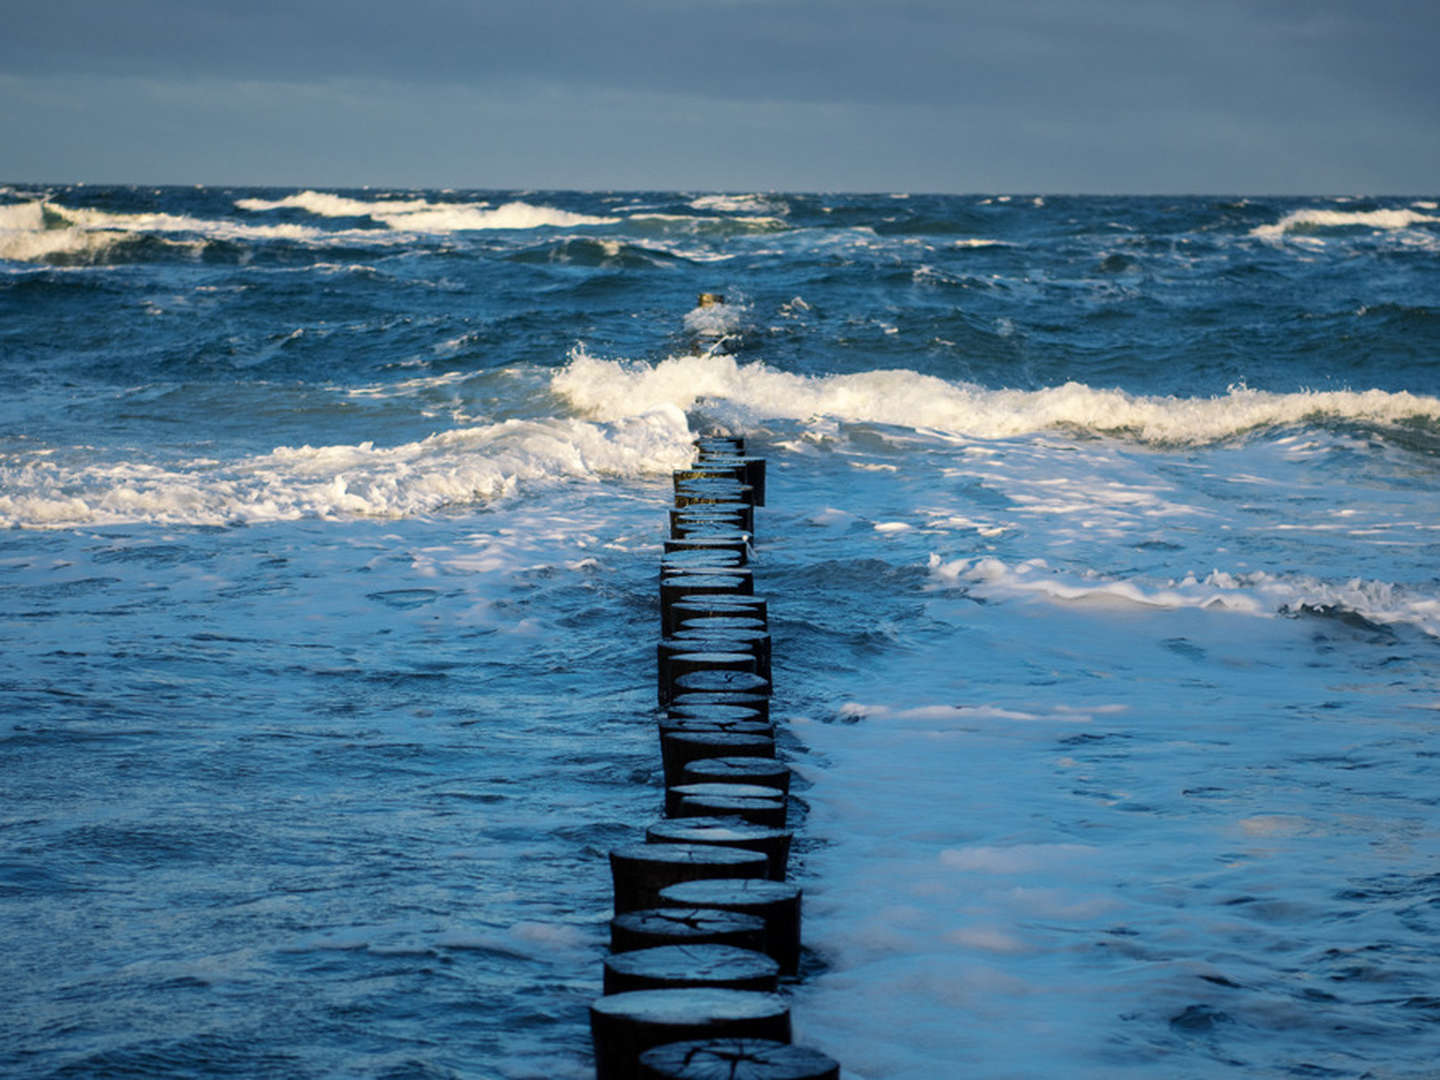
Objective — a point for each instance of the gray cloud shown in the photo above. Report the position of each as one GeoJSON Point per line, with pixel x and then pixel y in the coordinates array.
{"type": "Point", "coordinates": [1101, 54]}
{"type": "Point", "coordinates": [1133, 95]}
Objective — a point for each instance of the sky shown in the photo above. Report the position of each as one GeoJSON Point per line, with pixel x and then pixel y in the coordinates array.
{"type": "Point", "coordinates": [1047, 96]}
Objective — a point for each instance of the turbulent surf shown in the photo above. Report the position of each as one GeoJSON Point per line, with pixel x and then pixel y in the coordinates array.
{"type": "Point", "coordinates": [1100, 548]}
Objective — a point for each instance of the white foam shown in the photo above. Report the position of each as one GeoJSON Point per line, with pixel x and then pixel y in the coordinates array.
{"type": "Point", "coordinates": [25, 237]}
{"type": "Point", "coordinates": [715, 320]}
{"type": "Point", "coordinates": [424, 216]}
{"type": "Point", "coordinates": [1250, 593]}
{"type": "Point", "coordinates": [43, 229]}
{"type": "Point", "coordinates": [1311, 219]}
{"type": "Point", "coordinates": [936, 871]}
{"type": "Point", "coordinates": [605, 389]}
{"type": "Point", "coordinates": [408, 387]}
{"type": "Point", "coordinates": [39, 490]}
{"type": "Point", "coordinates": [40, 229]}
{"type": "Point", "coordinates": [742, 204]}
{"type": "Point", "coordinates": [1014, 859]}
{"type": "Point", "coordinates": [1035, 578]}
{"type": "Point", "coordinates": [326, 204]}
{"type": "Point", "coordinates": [22, 216]}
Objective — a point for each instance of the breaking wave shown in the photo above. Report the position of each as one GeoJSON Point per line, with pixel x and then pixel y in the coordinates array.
{"type": "Point", "coordinates": [465, 465]}
{"type": "Point", "coordinates": [42, 231]}
{"type": "Point", "coordinates": [425, 216]}
{"type": "Point", "coordinates": [1315, 220]}
{"type": "Point", "coordinates": [605, 390]}
{"type": "Point", "coordinates": [742, 204]}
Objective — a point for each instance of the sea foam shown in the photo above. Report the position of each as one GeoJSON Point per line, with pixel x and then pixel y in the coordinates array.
{"type": "Point", "coordinates": [1311, 220]}
{"type": "Point", "coordinates": [606, 389]}
{"type": "Point", "coordinates": [424, 216]}
{"type": "Point", "coordinates": [40, 230]}
{"type": "Point", "coordinates": [741, 204]}
{"type": "Point", "coordinates": [464, 465]}
{"type": "Point", "coordinates": [1379, 603]}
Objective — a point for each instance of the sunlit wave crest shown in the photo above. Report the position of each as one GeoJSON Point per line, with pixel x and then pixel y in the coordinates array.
{"type": "Point", "coordinates": [425, 216]}
{"type": "Point", "coordinates": [607, 389]}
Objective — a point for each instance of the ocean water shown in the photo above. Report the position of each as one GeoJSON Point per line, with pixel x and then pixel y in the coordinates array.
{"type": "Point", "coordinates": [1101, 551]}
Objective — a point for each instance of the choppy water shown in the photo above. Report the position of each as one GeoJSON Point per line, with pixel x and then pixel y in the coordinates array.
{"type": "Point", "coordinates": [1100, 548]}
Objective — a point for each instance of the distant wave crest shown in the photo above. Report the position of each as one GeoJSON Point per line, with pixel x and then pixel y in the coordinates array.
{"type": "Point", "coordinates": [41, 231]}
{"type": "Point", "coordinates": [1314, 220]}
{"type": "Point", "coordinates": [606, 389]}
{"type": "Point", "coordinates": [424, 216]}
{"type": "Point", "coordinates": [742, 204]}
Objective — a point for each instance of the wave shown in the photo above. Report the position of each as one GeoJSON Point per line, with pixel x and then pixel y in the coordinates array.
{"type": "Point", "coordinates": [326, 204]}
{"type": "Point", "coordinates": [42, 231]}
{"type": "Point", "coordinates": [608, 390]}
{"type": "Point", "coordinates": [1313, 220]}
{"type": "Point", "coordinates": [705, 227]}
{"type": "Point", "coordinates": [457, 467]}
{"type": "Point", "coordinates": [1371, 603]}
{"type": "Point", "coordinates": [595, 252]}
{"type": "Point", "coordinates": [424, 216]}
{"type": "Point", "coordinates": [46, 231]}
{"type": "Point", "coordinates": [742, 204]}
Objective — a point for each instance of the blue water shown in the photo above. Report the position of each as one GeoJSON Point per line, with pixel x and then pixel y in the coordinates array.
{"type": "Point", "coordinates": [1100, 549]}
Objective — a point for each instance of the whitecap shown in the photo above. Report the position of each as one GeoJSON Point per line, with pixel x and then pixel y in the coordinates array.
{"type": "Point", "coordinates": [741, 204]}
{"type": "Point", "coordinates": [1312, 219]}
{"type": "Point", "coordinates": [606, 389]}
{"type": "Point", "coordinates": [425, 216]}
{"type": "Point", "coordinates": [39, 230]}
{"type": "Point", "coordinates": [1255, 592]}
{"type": "Point", "coordinates": [43, 489]}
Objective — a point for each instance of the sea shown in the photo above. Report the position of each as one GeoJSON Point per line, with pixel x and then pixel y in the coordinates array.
{"type": "Point", "coordinates": [1102, 550]}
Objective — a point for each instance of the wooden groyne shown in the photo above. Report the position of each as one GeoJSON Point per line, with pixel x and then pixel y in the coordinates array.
{"type": "Point", "coordinates": [706, 933]}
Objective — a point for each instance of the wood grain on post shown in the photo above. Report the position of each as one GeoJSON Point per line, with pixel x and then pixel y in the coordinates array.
{"type": "Point", "coordinates": [715, 711]}
{"type": "Point", "coordinates": [679, 748]}
{"type": "Point", "coordinates": [623, 1026]}
{"type": "Point", "coordinates": [709, 605]}
{"type": "Point", "coordinates": [777, 902]}
{"type": "Point", "coordinates": [736, 1059]}
{"type": "Point", "coordinates": [721, 681]}
{"type": "Point", "coordinates": [675, 795]}
{"type": "Point", "coordinates": [772, 842]}
{"type": "Point", "coordinates": [640, 871]}
{"type": "Point", "coordinates": [649, 928]}
{"type": "Point", "coordinates": [670, 967]}
{"type": "Point", "coordinates": [759, 702]}
{"type": "Point", "coordinates": [671, 723]}
{"type": "Point", "coordinates": [738, 770]}
{"type": "Point", "coordinates": [752, 809]}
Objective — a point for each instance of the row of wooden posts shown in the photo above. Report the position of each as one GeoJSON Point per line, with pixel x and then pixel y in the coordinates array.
{"type": "Point", "coordinates": [707, 925]}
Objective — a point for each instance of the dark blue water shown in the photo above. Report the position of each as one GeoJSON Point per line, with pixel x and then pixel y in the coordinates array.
{"type": "Point", "coordinates": [1100, 552]}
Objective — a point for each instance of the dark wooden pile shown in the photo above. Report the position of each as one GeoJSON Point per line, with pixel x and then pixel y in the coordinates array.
{"type": "Point", "coordinates": [707, 924]}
